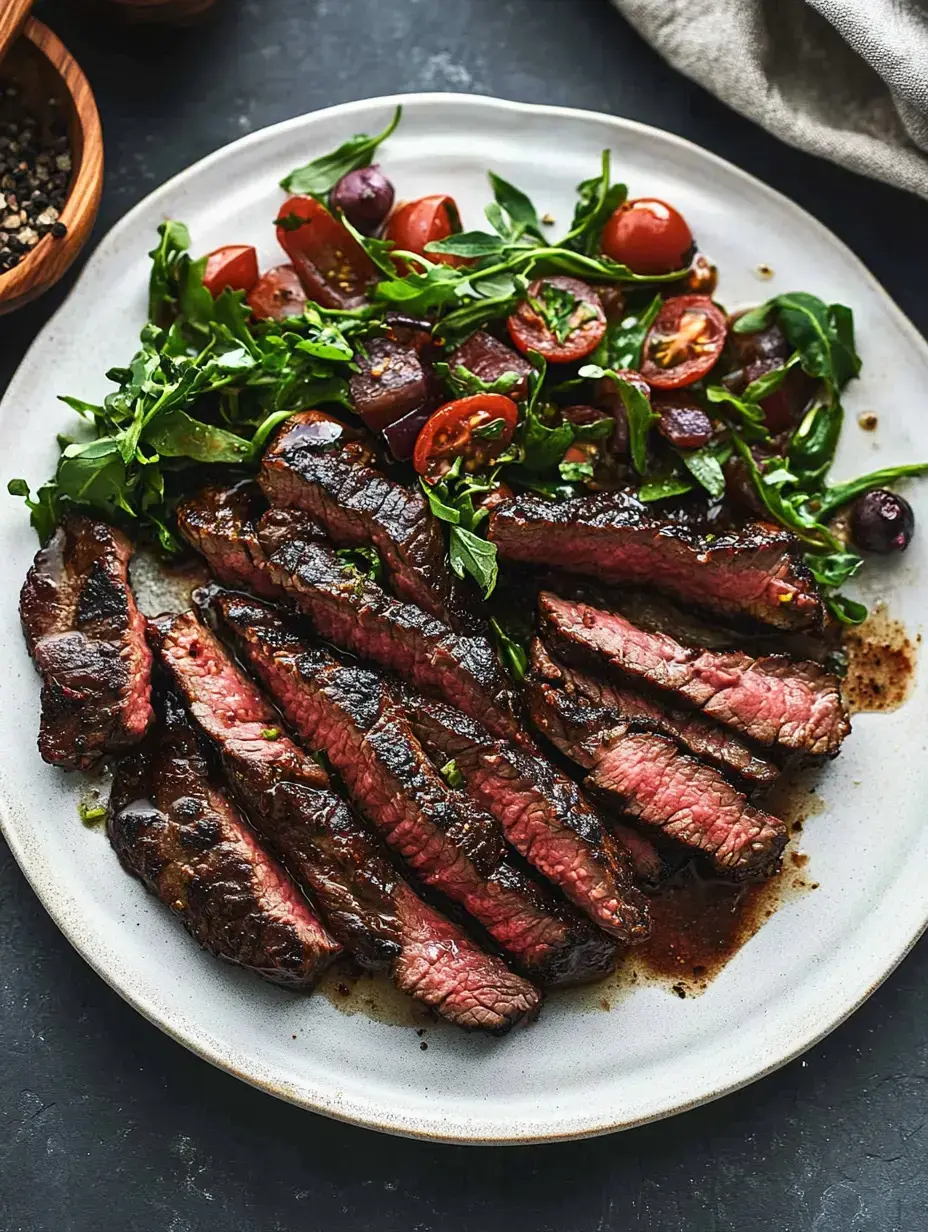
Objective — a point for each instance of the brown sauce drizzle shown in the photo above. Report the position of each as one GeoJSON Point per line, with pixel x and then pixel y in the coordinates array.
{"type": "Point", "coordinates": [881, 663]}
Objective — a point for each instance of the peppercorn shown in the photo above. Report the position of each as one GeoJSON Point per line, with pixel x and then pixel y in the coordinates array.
{"type": "Point", "coordinates": [35, 173]}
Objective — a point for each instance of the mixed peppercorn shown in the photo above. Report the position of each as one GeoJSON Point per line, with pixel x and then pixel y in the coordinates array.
{"type": "Point", "coordinates": [35, 171]}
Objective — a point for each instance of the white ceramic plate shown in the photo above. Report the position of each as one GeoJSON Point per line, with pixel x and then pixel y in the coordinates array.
{"type": "Point", "coordinates": [579, 1070]}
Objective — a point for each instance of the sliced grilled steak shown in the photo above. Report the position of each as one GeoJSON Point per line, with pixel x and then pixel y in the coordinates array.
{"type": "Point", "coordinates": [654, 782]}
{"type": "Point", "coordinates": [87, 639]}
{"type": "Point", "coordinates": [451, 845]}
{"type": "Point", "coordinates": [791, 705]}
{"type": "Point", "coordinates": [355, 614]}
{"type": "Point", "coordinates": [491, 359]}
{"type": "Point", "coordinates": [755, 572]}
{"type": "Point", "coordinates": [365, 903]}
{"type": "Point", "coordinates": [320, 465]}
{"type": "Point", "coordinates": [542, 813]}
{"type": "Point", "coordinates": [699, 735]}
{"type": "Point", "coordinates": [393, 380]}
{"type": "Point", "coordinates": [179, 834]}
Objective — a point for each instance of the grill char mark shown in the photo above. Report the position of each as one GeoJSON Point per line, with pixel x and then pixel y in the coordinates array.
{"type": "Point", "coordinates": [174, 829]}
{"type": "Point", "coordinates": [87, 639]}
{"type": "Point", "coordinates": [453, 846]}
{"type": "Point", "coordinates": [366, 904]}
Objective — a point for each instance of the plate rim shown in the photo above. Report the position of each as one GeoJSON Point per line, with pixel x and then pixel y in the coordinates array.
{"type": "Point", "coordinates": [330, 1105]}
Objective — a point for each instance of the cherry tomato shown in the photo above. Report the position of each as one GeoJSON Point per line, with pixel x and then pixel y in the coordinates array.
{"type": "Point", "coordinates": [684, 342]}
{"type": "Point", "coordinates": [451, 433]}
{"type": "Point", "coordinates": [648, 236]}
{"type": "Point", "coordinates": [334, 269]}
{"type": "Point", "coordinates": [560, 318]}
{"type": "Point", "coordinates": [417, 223]}
{"type": "Point", "coordinates": [277, 294]}
{"type": "Point", "coordinates": [235, 266]}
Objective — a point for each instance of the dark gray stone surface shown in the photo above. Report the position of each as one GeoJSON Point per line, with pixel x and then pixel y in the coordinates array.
{"type": "Point", "coordinates": [106, 1124]}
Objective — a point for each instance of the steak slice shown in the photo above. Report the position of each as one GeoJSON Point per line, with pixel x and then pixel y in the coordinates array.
{"type": "Point", "coordinates": [354, 613]}
{"type": "Point", "coordinates": [452, 846]}
{"type": "Point", "coordinates": [780, 703]}
{"type": "Point", "coordinates": [649, 777]}
{"type": "Point", "coordinates": [542, 813]}
{"type": "Point", "coordinates": [707, 740]}
{"type": "Point", "coordinates": [87, 638]}
{"type": "Point", "coordinates": [176, 830]}
{"type": "Point", "coordinates": [318, 464]}
{"type": "Point", "coordinates": [363, 900]}
{"type": "Point", "coordinates": [756, 572]}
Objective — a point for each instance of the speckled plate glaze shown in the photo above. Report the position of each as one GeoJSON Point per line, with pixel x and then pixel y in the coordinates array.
{"type": "Point", "coordinates": [579, 1070]}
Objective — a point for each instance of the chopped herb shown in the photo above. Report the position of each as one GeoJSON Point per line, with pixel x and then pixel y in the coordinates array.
{"type": "Point", "coordinates": [290, 222]}
{"type": "Point", "coordinates": [512, 654]}
{"type": "Point", "coordinates": [271, 733]}
{"type": "Point", "coordinates": [451, 774]}
{"type": "Point", "coordinates": [623, 344]}
{"type": "Point", "coordinates": [561, 311]}
{"type": "Point", "coordinates": [91, 814]}
{"type": "Point", "coordinates": [363, 561]}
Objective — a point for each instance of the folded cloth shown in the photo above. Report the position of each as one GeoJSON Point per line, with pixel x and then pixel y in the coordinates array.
{"type": "Point", "coordinates": [844, 79]}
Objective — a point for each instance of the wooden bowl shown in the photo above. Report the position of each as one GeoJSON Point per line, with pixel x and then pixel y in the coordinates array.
{"type": "Point", "coordinates": [43, 68]}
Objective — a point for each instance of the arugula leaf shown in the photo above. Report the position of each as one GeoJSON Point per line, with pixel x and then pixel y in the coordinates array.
{"type": "Point", "coordinates": [44, 510]}
{"type": "Point", "coordinates": [623, 344]}
{"type": "Point", "coordinates": [575, 472]}
{"type": "Point", "coordinates": [491, 431]}
{"type": "Point", "coordinates": [512, 654]}
{"type": "Point", "coordinates": [661, 487]}
{"type": "Point", "coordinates": [598, 198]}
{"type": "Point", "coordinates": [705, 467]}
{"type": "Point", "coordinates": [322, 174]}
{"type": "Point", "coordinates": [469, 244]}
{"type": "Point", "coordinates": [516, 204]}
{"type": "Point", "coordinates": [848, 611]}
{"type": "Point", "coordinates": [173, 240]}
{"type": "Point", "coordinates": [769, 382]}
{"type": "Point", "coordinates": [462, 382]}
{"type": "Point", "coordinates": [822, 334]}
{"type": "Point", "coordinates": [468, 553]}
{"type": "Point", "coordinates": [791, 513]}
{"type": "Point", "coordinates": [830, 499]}
{"type": "Point", "coordinates": [561, 311]}
{"type": "Point", "coordinates": [749, 412]}
{"type": "Point", "coordinates": [422, 290]}
{"type": "Point", "coordinates": [434, 494]}
{"type": "Point", "coordinates": [598, 430]}
{"type": "Point", "coordinates": [178, 435]}
{"type": "Point", "coordinates": [638, 408]}
{"type": "Point", "coordinates": [833, 568]}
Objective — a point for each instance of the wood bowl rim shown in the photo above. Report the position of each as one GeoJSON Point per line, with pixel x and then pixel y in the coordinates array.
{"type": "Point", "coordinates": [24, 281]}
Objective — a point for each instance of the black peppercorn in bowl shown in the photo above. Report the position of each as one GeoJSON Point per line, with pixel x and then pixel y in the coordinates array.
{"type": "Point", "coordinates": [51, 164]}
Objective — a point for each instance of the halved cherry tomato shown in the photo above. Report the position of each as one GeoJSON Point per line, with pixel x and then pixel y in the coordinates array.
{"type": "Point", "coordinates": [648, 236]}
{"type": "Point", "coordinates": [684, 342]}
{"type": "Point", "coordinates": [560, 318]}
{"type": "Point", "coordinates": [235, 266]}
{"type": "Point", "coordinates": [451, 432]}
{"type": "Point", "coordinates": [417, 223]}
{"type": "Point", "coordinates": [334, 269]}
{"type": "Point", "coordinates": [277, 294]}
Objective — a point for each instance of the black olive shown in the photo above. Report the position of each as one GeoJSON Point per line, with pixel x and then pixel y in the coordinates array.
{"type": "Point", "coordinates": [365, 197]}
{"type": "Point", "coordinates": [882, 521]}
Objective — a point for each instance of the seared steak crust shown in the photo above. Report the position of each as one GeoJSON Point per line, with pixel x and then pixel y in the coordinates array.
{"type": "Point", "coordinates": [365, 903]}
{"type": "Point", "coordinates": [542, 813]}
{"type": "Point", "coordinates": [778, 702]}
{"type": "Point", "coordinates": [87, 639]}
{"type": "Point", "coordinates": [755, 572]}
{"type": "Point", "coordinates": [699, 735]}
{"type": "Point", "coordinates": [656, 783]}
{"type": "Point", "coordinates": [331, 473]}
{"type": "Point", "coordinates": [355, 614]}
{"type": "Point", "coordinates": [178, 833]}
{"type": "Point", "coordinates": [451, 845]}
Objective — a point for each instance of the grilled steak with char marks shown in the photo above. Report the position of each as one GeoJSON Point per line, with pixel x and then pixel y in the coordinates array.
{"type": "Point", "coordinates": [367, 906]}
{"type": "Point", "coordinates": [542, 813]}
{"type": "Point", "coordinates": [794, 706]}
{"type": "Point", "coordinates": [707, 740]}
{"type": "Point", "coordinates": [755, 572]}
{"type": "Point", "coordinates": [453, 846]}
{"type": "Point", "coordinates": [87, 639]}
{"type": "Point", "coordinates": [318, 464]}
{"type": "Point", "coordinates": [176, 830]}
{"type": "Point", "coordinates": [660, 786]}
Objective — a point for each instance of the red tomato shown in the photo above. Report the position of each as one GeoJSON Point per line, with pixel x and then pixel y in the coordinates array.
{"type": "Point", "coordinates": [416, 223]}
{"type": "Point", "coordinates": [449, 434]}
{"type": "Point", "coordinates": [277, 294]}
{"type": "Point", "coordinates": [684, 342]}
{"type": "Point", "coordinates": [235, 266]}
{"type": "Point", "coordinates": [334, 269]}
{"type": "Point", "coordinates": [560, 318]}
{"type": "Point", "coordinates": [648, 236]}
